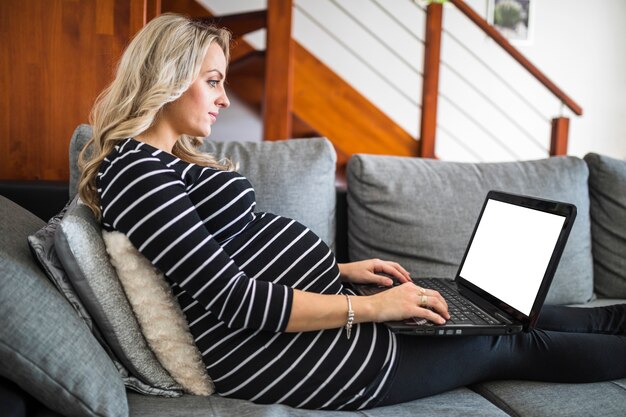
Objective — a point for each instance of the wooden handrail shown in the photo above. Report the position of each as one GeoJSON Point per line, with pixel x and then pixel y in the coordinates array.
{"type": "Point", "coordinates": [501, 40]}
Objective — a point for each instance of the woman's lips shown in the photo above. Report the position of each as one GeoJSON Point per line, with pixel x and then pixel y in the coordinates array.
{"type": "Point", "coordinates": [213, 117]}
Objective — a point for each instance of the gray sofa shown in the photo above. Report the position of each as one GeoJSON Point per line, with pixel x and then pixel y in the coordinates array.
{"type": "Point", "coordinates": [80, 353]}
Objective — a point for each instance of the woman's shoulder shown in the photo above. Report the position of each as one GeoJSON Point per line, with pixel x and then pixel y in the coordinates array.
{"type": "Point", "coordinates": [131, 150]}
{"type": "Point", "coordinates": [132, 158]}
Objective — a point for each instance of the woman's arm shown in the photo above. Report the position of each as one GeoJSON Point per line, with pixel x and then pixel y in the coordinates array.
{"type": "Point", "coordinates": [147, 201]}
{"type": "Point", "coordinates": [311, 311]}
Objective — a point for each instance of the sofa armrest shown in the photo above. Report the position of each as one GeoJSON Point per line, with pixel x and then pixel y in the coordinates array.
{"type": "Point", "coordinates": [15, 402]}
{"type": "Point", "coordinates": [42, 198]}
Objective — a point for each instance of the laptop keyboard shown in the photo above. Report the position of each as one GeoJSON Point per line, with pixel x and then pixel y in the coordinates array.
{"type": "Point", "coordinates": [460, 309]}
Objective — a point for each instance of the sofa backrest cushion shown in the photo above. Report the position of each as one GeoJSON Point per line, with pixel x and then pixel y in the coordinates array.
{"type": "Point", "coordinates": [82, 252]}
{"type": "Point", "coordinates": [607, 191]}
{"type": "Point", "coordinates": [421, 212]}
{"type": "Point", "coordinates": [292, 178]}
{"type": "Point", "coordinates": [44, 346]}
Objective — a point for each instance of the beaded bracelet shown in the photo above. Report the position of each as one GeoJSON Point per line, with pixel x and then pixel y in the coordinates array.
{"type": "Point", "coordinates": [350, 317]}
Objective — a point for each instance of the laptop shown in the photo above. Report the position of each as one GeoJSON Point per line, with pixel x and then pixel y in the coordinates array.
{"type": "Point", "coordinates": [506, 271]}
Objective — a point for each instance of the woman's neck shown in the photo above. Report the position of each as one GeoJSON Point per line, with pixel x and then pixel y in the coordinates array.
{"type": "Point", "coordinates": [160, 136]}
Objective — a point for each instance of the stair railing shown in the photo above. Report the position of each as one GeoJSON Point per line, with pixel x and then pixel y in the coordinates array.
{"type": "Point", "coordinates": [278, 98]}
{"type": "Point", "coordinates": [434, 18]}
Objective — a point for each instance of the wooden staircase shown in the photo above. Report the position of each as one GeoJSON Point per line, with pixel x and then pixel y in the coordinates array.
{"type": "Point", "coordinates": [305, 98]}
{"type": "Point", "coordinates": [325, 101]}
{"type": "Point", "coordinates": [78, 44]}
{"type": "Point", "coordinates": [323, 104]}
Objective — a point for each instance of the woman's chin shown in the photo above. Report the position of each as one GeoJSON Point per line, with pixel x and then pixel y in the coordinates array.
{"type": "Point", "coordinates": [201, 133]}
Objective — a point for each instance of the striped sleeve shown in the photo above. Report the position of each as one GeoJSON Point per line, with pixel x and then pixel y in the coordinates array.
{"type": "Point", "coordinates": [146, 200]}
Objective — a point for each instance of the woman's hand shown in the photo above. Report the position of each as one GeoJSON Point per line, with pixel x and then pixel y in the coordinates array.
{"type": "Point", "coordinates": [311, 311]}
{"type": "Point", "coordinates": [408, 300]}
{"type": "Point", "coordinates": [366, 272]}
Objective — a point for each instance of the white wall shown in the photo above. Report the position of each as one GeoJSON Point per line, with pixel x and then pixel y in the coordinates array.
{"type": "Point", "coordinates": [580, 45]}
{"type": "Point", "coordinates": [238, 122]}
{"type": "Point", "coordinates": [583, 46]}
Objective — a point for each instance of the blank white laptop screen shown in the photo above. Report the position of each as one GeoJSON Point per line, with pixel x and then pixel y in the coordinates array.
{"type": "Point", "coordinates": [510, 252]}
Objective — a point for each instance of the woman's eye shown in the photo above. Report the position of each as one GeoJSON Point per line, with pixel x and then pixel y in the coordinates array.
{"type": "Point", "coordinates": [213, 83]}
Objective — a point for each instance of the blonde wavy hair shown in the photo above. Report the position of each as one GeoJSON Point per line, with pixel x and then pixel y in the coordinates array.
{"type": "Point", "coordinates": [157, 67]}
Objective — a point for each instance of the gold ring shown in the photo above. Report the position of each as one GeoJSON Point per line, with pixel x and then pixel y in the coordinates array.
{"type": "Point", "coordinates": [424, 302]}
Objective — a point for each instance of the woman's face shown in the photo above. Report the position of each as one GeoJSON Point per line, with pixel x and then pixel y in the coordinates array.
{"type": "Point", "coordinates": [197, 109]}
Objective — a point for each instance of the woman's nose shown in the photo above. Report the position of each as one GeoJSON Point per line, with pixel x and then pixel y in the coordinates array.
{"type": "Point", "coordinates": [224, 102]}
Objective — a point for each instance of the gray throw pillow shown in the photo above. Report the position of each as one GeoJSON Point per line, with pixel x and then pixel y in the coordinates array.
{"type": "Point", "coordinates": [421, 212]}
{"type": "Point", "coordinates": [80, 248]}
{"type": "Point", "coordinates": [607, 191]}
{"type": "Point", "coordinates": [292, 178]}
{"type": "Point", "coordinates": [44, 346]}
{"type": "Point", "coordinates": [43, 248]}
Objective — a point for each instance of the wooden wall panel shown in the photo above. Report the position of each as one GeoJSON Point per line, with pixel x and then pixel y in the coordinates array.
{"type": "Point", "coordinates": [55, 57]}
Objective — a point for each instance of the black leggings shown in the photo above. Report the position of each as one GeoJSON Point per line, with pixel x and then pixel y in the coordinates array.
{"type": "Point", "coordinates": [568, 345]}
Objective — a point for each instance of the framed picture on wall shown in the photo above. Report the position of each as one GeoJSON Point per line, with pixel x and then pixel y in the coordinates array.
{"type": "Point", "coordinates": [513, 18]}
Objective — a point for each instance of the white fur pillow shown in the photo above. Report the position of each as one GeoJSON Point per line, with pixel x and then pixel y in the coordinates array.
{"type": "Point", "coordinates": [161, 320]}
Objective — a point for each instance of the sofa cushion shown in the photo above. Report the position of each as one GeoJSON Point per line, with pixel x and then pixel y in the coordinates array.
{"type": "Point", "coordinates": [292, 178]}
{"type": "Point", "coordinates": [457, 403]}
{"type": "Point", "coordinates": [421, 212]}
{"type": "Point", "coordinates": [80, 137]}
{"type": "Point", "coordinates": [44, 346]}
{"type": "Point", "coordinates": [82, 252]}
{"type": "Point", "coordinates": [607, 192]}
{"type": "Point", "coordinates": [527, 398]}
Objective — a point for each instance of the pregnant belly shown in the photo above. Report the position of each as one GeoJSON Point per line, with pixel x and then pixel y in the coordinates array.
{"type": "Point", "coordinates": [284, 251]}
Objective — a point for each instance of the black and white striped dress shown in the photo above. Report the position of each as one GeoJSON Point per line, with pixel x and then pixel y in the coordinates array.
{"type": "Point", "coordinates": [233, 271]}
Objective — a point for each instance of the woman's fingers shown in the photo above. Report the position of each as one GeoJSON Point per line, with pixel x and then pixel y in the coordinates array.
{"type": "Point", "coordinates": [434, 304]}
{"type": "Point", "coordinates": [394, 269]}
{"type": "Point", "coordinates": [433, 293]}
{"type": "Point", "coordinates": [399, 271]}
{"type": "Point", "coordinates": [430, 315]}
{"type": "Point", "coordinates": [408, 300]}
{"type": "Point", "coordinates": [380, 280]}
